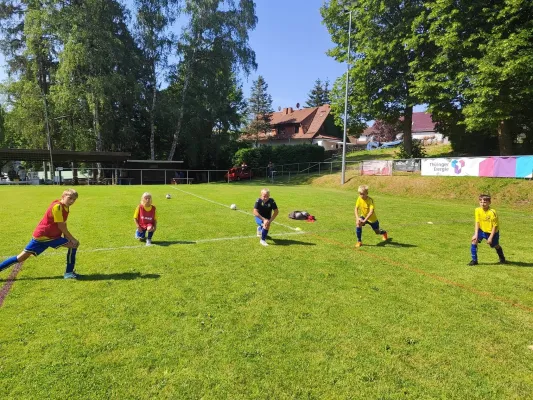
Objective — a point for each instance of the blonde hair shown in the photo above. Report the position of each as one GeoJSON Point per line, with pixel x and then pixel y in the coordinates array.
{"type": "Point", "coordinates": [265, 190]}
{"type": "Point", "coordinates": [145, 194]}
{"type": "Point", "coordinates": [362, 188]}
{"type": "Point", "coordinates": [70, 193]}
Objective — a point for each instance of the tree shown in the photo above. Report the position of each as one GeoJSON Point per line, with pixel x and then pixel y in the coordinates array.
{"type": "Point", "coordinates": [480, 73]}
{"type": "Point", "coordinates": [153, 20]}
{"type": "Point", "coordinates": [381, 77]}
{"type": "Point", "coordinates": [316, 95]}
{"type": "Point", "coordinates": [220, 25]}
{"type": "Point", "coordinates": [319, 95]}
{"type": "Point", "coordinates": [259, 108]}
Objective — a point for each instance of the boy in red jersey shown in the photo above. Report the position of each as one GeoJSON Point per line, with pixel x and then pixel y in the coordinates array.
{"type": "Point", "coordinates": [52, 232]}
{"type": "Point", "coordinates": [145, 218]}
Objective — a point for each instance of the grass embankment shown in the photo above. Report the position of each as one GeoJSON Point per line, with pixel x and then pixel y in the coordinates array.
{"type": "Point", "coordinates": [514, 193]}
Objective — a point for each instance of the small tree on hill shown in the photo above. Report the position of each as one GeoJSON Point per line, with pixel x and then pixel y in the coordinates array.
{"type": "Point", "coordinates": [259, 108]}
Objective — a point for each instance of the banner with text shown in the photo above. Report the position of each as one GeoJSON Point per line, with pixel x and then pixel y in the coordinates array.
{"type": "Point", "coordinates": [497, 167]}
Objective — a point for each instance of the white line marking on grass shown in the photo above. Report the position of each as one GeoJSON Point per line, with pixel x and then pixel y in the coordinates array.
{"type": "Point", "coordinates": [154, 244]}
{"type": "Point", "coordinates": [226, 206]}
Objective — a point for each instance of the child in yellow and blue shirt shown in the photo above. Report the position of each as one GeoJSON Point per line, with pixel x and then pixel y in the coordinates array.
{"type": "Point", "coordinates": [486, 227]}
{"type": "Point", "coordinates": [365, 213]}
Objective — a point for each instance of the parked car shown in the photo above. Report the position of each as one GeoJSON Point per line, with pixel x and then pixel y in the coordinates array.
{"type": "Point", "coordinates": [238, 173]}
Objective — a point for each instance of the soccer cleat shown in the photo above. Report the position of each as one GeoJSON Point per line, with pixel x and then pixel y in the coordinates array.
{"type": "Point", "coordinates": [358, 244]}
{"type": "Point", "coordinates": [502, 261]}
{"type": "Point", "coordinates": [263, 243]}
{"type": "Point", "coordinates": [148, 242]}
{"type": "Point", "coordinates": [472, 263]}
{"type": "Point", "coordinates": [385, 236]}
{"type": "Point", "coordinates": [70, 275]}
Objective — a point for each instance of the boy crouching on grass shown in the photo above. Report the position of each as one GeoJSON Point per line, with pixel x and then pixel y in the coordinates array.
{"type": "Point", "coordinates": [365, 213]}
{"type": "Point", "coordinates": [52, 232]}
{"type": "Point", "coordinates": [486, 227]}
{"type": "Point", "coordinates": [145, 218]}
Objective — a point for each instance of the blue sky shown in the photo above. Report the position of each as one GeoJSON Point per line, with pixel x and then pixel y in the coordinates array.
{"type": "Point", "coordinates": [290, 43]}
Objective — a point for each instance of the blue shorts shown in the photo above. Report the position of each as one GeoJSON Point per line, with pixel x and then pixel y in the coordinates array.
{"type": "Point", "coordinates": [374, 225]}
{"type": "Point", "coordinates": [259, 221]}
{"type": "Point", "coordinates": [484, 235]}
{"type": "Point", "coordinates": [36, 247]}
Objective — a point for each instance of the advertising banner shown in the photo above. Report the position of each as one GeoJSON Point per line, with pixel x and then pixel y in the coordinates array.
{"type": "Point", "coordinates": [376, 167]}
{"type": "Point", "coordinates": [494, 167]}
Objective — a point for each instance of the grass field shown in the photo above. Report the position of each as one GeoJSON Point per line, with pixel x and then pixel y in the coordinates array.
{"type": "Point", "coordinates": [209, 313]}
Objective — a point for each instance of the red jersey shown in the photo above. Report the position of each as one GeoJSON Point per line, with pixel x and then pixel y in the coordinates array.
{"type": "Point", "coordinates": [48, 228]}
{"type": "Point", "coordinates": [144, 216]}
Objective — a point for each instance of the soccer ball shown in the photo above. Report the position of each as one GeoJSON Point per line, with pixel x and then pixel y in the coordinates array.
{"type": "Point", "coordinates": [168, 196]}
{"type": "Point", "coordinates": [233, 206]}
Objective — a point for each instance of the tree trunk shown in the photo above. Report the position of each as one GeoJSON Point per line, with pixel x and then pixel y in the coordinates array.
{"type": "Point", "coordinates": [180, 116]}
{"type": "Point", "coordinates": [152, 122]}
{"type": "Point", "coordinates": [504, 139]}
{"type": "Point", "coordinates": [408, 130]}
{"type": "Point", "coordinates": [98, 134]}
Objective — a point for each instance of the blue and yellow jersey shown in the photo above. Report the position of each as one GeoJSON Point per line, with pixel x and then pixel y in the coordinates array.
{"type": "Point", "coordinates": [364, 207]}
{"type": "Point", "coordinates": [487, 219]}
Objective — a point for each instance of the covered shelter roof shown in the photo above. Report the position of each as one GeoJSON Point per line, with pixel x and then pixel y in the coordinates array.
{"type": "Point", "coordinates": [63, 155]}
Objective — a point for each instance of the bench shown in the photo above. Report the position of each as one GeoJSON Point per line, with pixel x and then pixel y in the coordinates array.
{"type": "Point", "coordinates": [176, 181]}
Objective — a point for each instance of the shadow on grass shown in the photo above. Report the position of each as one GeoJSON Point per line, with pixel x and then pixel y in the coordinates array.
{"type": "Point", "coordinates": [125, 276]}
{"type": "Point", "coordinates": [389, 242]}
{"type": "Point", "coordinates": [171, 243]}
{"type": "Point", "coordinates": [290, 242]}
{"type": "Point", "coordinates": [517, 264]}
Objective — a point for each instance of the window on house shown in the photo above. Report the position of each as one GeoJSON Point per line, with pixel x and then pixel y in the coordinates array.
{"type": "Point", "coordinates": [296, 129]}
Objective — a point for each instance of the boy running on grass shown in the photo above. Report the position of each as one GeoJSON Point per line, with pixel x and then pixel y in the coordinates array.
{"type": "Point", "coordinates": [52, 232]}
{"type": "Point", "coordinates": [486, 227]}
{"type": "Point", "coordinates": [263, 208]}
{"type": "Point", "coordinates": [145, 218]}
{"type": "Point", "coordinates": [365, 212]}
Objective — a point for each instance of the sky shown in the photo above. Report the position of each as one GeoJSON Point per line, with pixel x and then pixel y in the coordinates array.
{"type": "Point", "coordinates": [290, 44]}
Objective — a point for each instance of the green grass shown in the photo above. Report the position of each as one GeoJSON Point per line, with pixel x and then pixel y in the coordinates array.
{"type": "Point", "coordinates": [307, 317]}
{"type": "Point", "coordinates": [433, 151]}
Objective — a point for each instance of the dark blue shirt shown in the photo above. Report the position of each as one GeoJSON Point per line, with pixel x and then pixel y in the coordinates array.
{"type": "Point", "coordinates": [265, 207]}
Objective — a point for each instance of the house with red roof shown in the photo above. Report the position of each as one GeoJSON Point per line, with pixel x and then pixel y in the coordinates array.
{"type": "Point", "coordinates": [423, 128]}
{"type": "Point", "coordinates": [314, 125]}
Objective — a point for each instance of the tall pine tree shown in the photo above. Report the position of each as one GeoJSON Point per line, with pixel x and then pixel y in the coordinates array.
{"type": "Point", "coordinates": [259, 108]}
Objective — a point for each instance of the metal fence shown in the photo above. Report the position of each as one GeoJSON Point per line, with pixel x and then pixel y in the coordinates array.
{"type": "Point", "coordinates": [121, 176]}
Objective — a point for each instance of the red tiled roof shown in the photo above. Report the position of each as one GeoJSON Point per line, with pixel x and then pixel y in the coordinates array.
{"type": "Point", "coordinates": [294, 117]}
{"type": "Point", "coordinates": [422, 122]}
{"type": "Point", "coordinates": [310, 120]}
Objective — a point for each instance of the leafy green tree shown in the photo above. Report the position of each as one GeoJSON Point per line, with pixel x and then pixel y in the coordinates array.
{"type": "Point", "coordinates": [380, 76]}
{"type": "Point", "coordinates": [153, 20]}
{"type": "Point", "coordinates": [259, 108]}
{"type": "Point", "coordinates": [28, 44]}
{"type": "Point", "coordinates": [219, 29]}
{"type": "Point", "coordinates": [480, 72]}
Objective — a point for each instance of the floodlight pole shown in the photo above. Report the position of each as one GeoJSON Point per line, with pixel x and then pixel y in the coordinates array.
{"type": "Point", "coordinates": [343, 174]}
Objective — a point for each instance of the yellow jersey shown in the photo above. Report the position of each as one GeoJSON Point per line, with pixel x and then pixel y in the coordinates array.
{"type": "Point", "coordinates": [487, 219]}
{"type": "Point", "coordinates": [364, 207]}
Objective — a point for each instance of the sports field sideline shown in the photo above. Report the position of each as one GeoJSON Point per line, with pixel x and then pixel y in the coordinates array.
{"type": "Point", "coordinates": [209, 313]}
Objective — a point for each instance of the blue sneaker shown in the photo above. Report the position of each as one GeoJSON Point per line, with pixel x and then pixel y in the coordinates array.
{"type": "Point", "coordinates": [70, 275]}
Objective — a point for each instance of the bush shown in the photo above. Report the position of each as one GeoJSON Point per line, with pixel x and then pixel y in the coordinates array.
{"type": "Point", "coordinates": [259, 157]}
{"type": "Point", "coordinates": [417, 151]}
